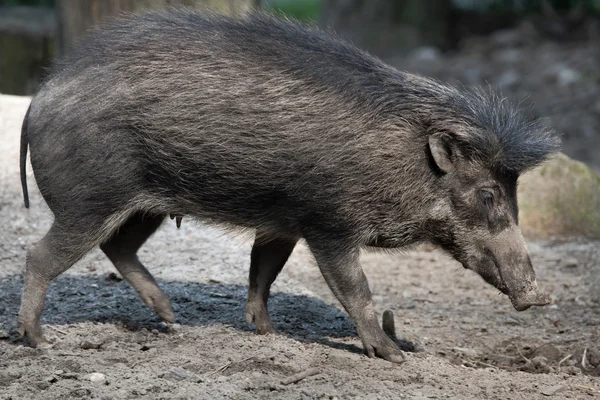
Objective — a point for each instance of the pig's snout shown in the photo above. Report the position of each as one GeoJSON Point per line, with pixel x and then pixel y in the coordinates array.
{"type": "Point", "coordinates": [521, 301]}
{"type": "Point", "coordinates": [513, 273]}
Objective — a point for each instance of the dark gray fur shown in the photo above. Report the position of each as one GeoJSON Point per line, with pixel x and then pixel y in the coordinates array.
{"type": "Point", "coordinates": [264, 124]}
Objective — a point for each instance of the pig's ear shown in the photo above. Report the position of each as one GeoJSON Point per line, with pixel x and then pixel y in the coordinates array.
{"type": "Point", "coordinates": [442, 151]}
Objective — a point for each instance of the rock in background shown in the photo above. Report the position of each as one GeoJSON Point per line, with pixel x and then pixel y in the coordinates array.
{"type": "Point", "coordinates": [561, 198]}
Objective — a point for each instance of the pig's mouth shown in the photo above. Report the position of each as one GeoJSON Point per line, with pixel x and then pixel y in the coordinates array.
{"type": "Point", "coordinates": [532, 297]}
{"type": "Point", "coordinates": [500, 284]}
{"type": "Point", "coordinates": [492, 273]}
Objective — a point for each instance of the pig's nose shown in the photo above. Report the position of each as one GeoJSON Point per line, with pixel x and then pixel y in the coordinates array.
{"type": "Point", "coordinates": [533, 297]}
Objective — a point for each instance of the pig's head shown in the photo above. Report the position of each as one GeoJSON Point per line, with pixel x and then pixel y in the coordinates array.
{"type": "Point", "coordinates": [477, 162]}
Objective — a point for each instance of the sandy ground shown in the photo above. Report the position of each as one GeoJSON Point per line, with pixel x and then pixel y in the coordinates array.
{"type": "Point", "coordinates": [471, 343]}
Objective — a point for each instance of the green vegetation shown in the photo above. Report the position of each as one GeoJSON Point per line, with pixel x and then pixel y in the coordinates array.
{"type": "Point", "coordinates": [303, 10]}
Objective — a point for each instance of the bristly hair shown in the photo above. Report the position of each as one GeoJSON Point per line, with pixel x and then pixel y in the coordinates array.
{"type": "Point", "coordinates": [503, 138]}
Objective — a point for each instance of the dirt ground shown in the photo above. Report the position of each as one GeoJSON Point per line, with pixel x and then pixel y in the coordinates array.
{"type": "Point", "coordinates": [470, 343]}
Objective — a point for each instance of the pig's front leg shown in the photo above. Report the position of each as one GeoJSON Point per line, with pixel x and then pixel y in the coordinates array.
{"type": "Point", "coordinates": [341, 269]}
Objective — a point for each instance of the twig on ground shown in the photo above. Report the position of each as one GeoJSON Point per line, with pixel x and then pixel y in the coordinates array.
{"type": "Point", "coordinates": [521, 354]}
{"type": "Point", "coordinates": [584, 363]}
{"type": "Point", "coordinates": [589, 388]}
{"type": "Point", "coordinates": [301, 375]}
{"type": "Point", "coordinates": [57, 330]}
{"type": "Point", "coordinates": [424, 300]}
{"type": "Point", "coordinates": [487, 365]}
{"type": "Point", "coordinates": [227, 365]}
{"type": "Point", "coordinates": [563, 360]}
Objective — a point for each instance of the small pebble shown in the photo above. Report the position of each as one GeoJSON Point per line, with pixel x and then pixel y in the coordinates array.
{"type": "Point", "coordinates": [3, 334]}
{"type": "Point", "coordinates": [570, 262]}
{"type": "Point", "coordinates": [549, 352]}
{"type": "Point", "coordinates": [181, 374]}
{"type": "Point", "coordinates": [552, 390]}
{"type": "Point", "coordinates": [91, 345]}
{"type": "Point", "coordinates": [80, 392]}
{"type": "Point", "coordinates": [539, 360]}
{"type": "Point", "coordinates": [97, 378]}
{"type": "Point", "coordinates": [467, 352]}
{"type": "Point", "coordinates": [528, 367]}
{"type": "Point", "coordinates": [343, 358]}
{"type": "Point", "coordinates": [572, 370]}
{"type": "Point", "coordinates": [593, 357]}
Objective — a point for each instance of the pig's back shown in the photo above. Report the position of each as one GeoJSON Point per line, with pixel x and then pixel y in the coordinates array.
{"type": "Point", "coordinates": [254, 116]}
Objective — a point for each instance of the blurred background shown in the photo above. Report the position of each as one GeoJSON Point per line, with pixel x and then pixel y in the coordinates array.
{"type": "Point", "coordinates": [544, 54]}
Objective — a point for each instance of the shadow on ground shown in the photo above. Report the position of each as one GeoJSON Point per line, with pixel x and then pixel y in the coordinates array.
{"type": "Point", "coordinates": [99, 299]}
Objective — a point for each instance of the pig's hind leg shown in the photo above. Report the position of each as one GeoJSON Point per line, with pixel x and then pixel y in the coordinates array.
{"type": "Point", "coordinates": [122, 250]}
{"type": "Point", "coordinates": [269, 255]}
{"type": "Point", "coordinates": [69, 239]}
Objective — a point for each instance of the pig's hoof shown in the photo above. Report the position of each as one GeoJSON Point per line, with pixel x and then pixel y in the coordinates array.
{"type": "Point", "coordinates": [262, 327]}
{"type": "Point", "coordinates": [34, 337]}
{"type": "Point", "coordinates": [161, 304]}
{"type": "Point", "coordinates": [386, 350]}
{"type": "Point", "coordinates": [258, 316]}
{"type": "Point", "coordinates": [44, 345]}
{"type": "Point", "coordinates": [265, 329]}
{"type": "Point", "coordinates": [165, 311]}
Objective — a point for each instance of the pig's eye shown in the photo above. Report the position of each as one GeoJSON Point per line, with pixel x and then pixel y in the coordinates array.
{"type": "Point", "coordinates": [487, 197]}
